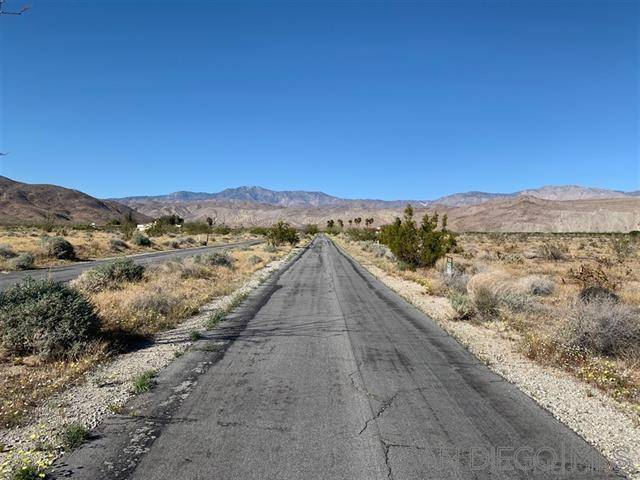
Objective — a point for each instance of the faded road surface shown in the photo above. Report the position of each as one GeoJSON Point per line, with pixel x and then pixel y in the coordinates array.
{"type": "Point", "coordinates": [327, 374]}
{"type": "Point", "coordinates": [66, 273]}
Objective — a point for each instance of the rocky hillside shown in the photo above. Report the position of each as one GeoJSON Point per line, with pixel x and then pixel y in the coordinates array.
{"type": "Point", "coordinates": [29, 203]}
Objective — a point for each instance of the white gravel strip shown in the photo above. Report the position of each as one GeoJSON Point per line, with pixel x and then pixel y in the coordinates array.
{"type": "Point", "coordinates": [109, 385]}
{"type": "Point", "coordinates": [608, 425]}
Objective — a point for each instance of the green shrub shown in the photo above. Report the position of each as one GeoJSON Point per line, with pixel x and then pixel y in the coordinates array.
{"type": "Point", "coordinates": [7, 252]}
{"type": "Point", "coordinates": [361, 234]}
{"type": "Point", "coordinates": [220, 259]}
{"type": "Point", "coordinates": [58, 247]}
{"type": "Point", "coordinates": [418, 246]}
{"type": "Point", "coordinates": [28, 472]}
{"type": "Point", "coordinates": [282, 233]}
{"type": "Point", "coordinates": [195, 335]}
{"type": "Point", "coordinates": [74, 435]}
{"type": "Point", "coordinates": [45, 318]}
{"type": "Point", "coordinates": [110, 275]}
{"type": "Point", "coordinates": [215, 318]}
{"type": "Point", "coordinates": [486, 302]}
{"type": "Point", "coordinates": [196, 228]}
{"type": "Point", "coordinates": [140, 240]}
{"type": "Point", "coordinates": [311, 229]}
{"type": "Point", "coordinates": [24, 261]}
{"type": "Point", "coordinates": [222, 230]}
{"type": "Point", "coordinates": [144, 382]}
{"type": "Point", "coordinates": [461, 304]}
{"type": "Point", "coordinates": [255, 259]}
{"type": "Point", "coordinates": [257, 230]}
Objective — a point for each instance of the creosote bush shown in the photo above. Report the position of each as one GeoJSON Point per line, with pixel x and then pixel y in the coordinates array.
{"type": "Point", "coordinates": [117, 245]}
{"type": "Point", "coordinates": [110, 275]}
{"type": "Point", "coordinates": [418, 246]}
{"type": "Point", "coordinates": [6, 252]}
{"type": "Point", "coordinates": [58, 247]}
{"type": "Point", "coordinates": [603, 327]}
{"type": "Point", "coordinates": [221, 259]}
{"type": "Point", "coordinates": [282, 233]}
{"type": "Point", "coordinates": [24, 261]}
{"type": "Point", "coordinates": [140, 240]}
{"type": "Point", "coordinates": [45, 318]}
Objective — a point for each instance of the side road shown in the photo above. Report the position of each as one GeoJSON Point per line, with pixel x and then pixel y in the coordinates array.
{"type": "Point", "coordinates": [66, 273]}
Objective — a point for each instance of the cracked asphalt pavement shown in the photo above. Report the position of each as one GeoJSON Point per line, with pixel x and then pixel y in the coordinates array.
{"type": "Point", "coordinates": [325, 373]}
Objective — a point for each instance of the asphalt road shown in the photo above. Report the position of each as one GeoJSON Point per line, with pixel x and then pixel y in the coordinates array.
{"type": "Point", "coordinates": [66, 273]}
{"type": "Point", "coordinates": [324, 373]}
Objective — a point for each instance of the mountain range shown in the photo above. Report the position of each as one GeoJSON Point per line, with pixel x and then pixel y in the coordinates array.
{"type": "Point", "coordinates": [300, 198]}
{"type": "Point", "coordinates": [547, 209]}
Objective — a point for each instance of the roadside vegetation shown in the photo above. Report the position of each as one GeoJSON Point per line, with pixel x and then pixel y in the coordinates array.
{"type": "Point", "coordinates": [570, 301]}
{"type": "Point", "coordinates": [51, 333]}
{"type": "Point", "coordinates": [28, 247]}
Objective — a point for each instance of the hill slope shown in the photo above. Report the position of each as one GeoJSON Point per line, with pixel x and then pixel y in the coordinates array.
{"type": "Point", "coordinates": [30, 203]}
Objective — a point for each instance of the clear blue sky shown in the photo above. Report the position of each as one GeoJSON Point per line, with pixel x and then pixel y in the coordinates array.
{"type": "Point", "coordinates": [357, 99]}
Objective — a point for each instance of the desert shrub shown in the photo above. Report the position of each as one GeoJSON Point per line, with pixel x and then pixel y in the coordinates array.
{"type": "Point", "coordinates": [268, 248]}
{"type": "Point", "coordinates": [486, 302]}
{"type": "Point", "coordinates": [58, 247]}
{"type": "Point", "coordinates": [518, 301]}
{"type": "Point", "coordinates": [140, 240]}
{"type": "Point", "coordinates": [110, 275]}
{"type": "Point", "coordinates": [311, 229]}
{"type": "Point", "coordinates": [361, 234]}
{"type": "Point", "coordinates": [189, 268]}
{"type": "Point", "coordinates": [220, 259]}
{"type": "Point", "coordinates": [592, 276]}
{"type": "Point", "coordinates": [24, 261]}
{"type": "Point", "coordinates": [6, 252]}
{"type": "Point", "coordinates": [222, 230]}
{"type": "Point", "coordinates": [187, 241]}
{"type": "Point", "coordinates": [537, 285]}
{"type": "Point", "coordinates": [257, 230]}
{"type": "Point", "coordinates": [49, 319]}
{"type": "Point", "coordinates": [597, 293]}
{"type": "Point", "coordinates": [282, 233]}
{"type": "Point", "coordinates": [603, 327]}
{"type": "Point", "coordinates": [418, 246]}
{"type": "Point", "coordinates": [117, 245]}
{"type": "Point", "coordinates": [74, 435]}
{"type": "Point", "coordinates": [552, 251]}
{"type": "Point", "coordinates": [255, 259]}
{"type": "Point", "coordinates": [195, 228]}
{"type": "Point", "coordinates": [623, 247]}
{"type": "Point", "coordinates": [456, 282]}
{"type": "Point", "coordinates": [378, 250]}
{"type": "Point", "coordinates": [461, 304]}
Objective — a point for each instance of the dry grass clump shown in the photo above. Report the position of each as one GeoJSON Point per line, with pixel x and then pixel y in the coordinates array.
{"type": "Point", "coordinates": [538, 285]}
{"type": "Point", "coordinates": [603, 327]}
{"type": "Point", "coordinates": [110, 275]}
{"type": "Point", "coordinates": [174, 291]}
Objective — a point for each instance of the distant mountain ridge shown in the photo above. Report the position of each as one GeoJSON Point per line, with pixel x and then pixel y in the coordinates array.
{"type": "Point", "coordinates": [32, 203]}
{"type": "Point", "coordinates": [301, 198]}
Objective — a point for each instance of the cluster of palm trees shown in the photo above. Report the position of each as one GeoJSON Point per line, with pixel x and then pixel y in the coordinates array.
{"type": "Point", "coordinates": [331, 224]}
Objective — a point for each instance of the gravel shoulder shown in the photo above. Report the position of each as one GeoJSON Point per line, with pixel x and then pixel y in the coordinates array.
{"type": "Point", "coordinates": [105, 389]}
{"type": "Point", "coordinates": [608, 425]}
